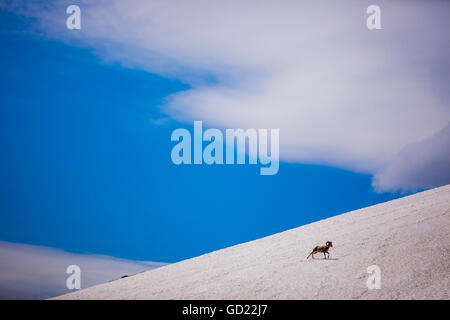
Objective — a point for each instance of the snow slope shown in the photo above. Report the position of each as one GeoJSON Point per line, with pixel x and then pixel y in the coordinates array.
{"type": "Point", "coordinates": [408, 238]}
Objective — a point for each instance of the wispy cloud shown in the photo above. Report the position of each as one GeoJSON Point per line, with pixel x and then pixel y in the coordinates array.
{"type": "Point", "coordinates": [36, 272]}
{"type": "Point", "coordinates": [424, 164]}
{"type": "Point", "coordinates": [340, 94]}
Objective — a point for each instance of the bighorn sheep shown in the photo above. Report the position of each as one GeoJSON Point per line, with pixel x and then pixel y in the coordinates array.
{"type": "Point", "coordinates": [323, 249]}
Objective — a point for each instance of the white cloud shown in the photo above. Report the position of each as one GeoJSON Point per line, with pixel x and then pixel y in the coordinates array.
{"type": "Point", "coordinates": [36, 272]}
{"type": "Point", "coordinates": [340, 94]}
{"type": "Point", "coordinates": [424, 164]}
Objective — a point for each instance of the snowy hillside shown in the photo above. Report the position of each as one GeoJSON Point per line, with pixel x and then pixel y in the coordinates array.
{"type": "Point", "coordinates": [407, 238]}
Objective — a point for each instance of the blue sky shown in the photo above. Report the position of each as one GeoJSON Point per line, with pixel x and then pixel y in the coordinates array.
{"type": "Point", "coordinates": [84, 168]}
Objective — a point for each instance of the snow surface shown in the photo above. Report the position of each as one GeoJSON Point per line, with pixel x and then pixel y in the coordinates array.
{"type": "Point", "coordinates": [408, 238]}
